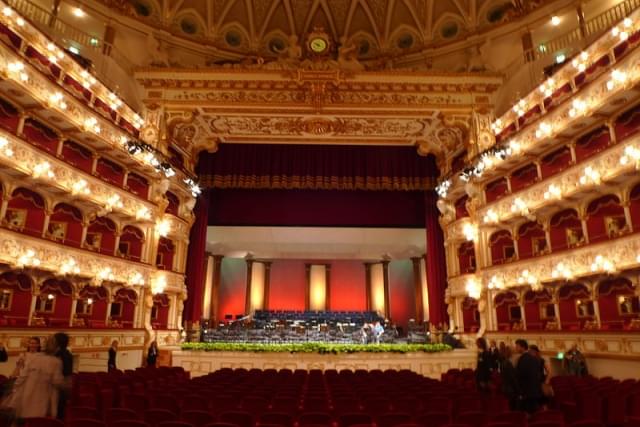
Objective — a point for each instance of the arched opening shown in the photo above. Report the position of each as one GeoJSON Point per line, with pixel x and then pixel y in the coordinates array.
{"type": "Point", "coordinates": [532, 240]}
{"type": "Point", "coordinates": [592, 143]}
{"type": "Point", "coordinates": [508, 312]}
{"type": "Point", "coordinates": [576, 306]}
{"type": "Point", "coordinates": [26, 212]}
{"type": "Point", "coordinates": [502, 247]}
{"type": "Point", "coordinates": [539, 310]}
{"type": "Point", "coordinates": [565, 230]}
{"type": "Point", "coordinates": [138, 185]}
{"type": "Point", "coordinates": [461, 207]}
{"type": "Point", "coordinates": [65, 225]}
{"type": "Point", "coordinates": [605, 219]}
{"type": "Point", "coordinates": [110, 171]}
{"type": "Point", "coordinates": [123, 308]}
{"type": "Point", "coordinates": [470, 315]}
{"type": "Point", "coordinates": [9, 116]}
{"type": "Point", "coordinates": [15, 298]}
{"type": "Point", "coordinates": [496, 190]}
{"type": "Point", "coordinates": [53, 305]}
{"type": "Point", "coordinates": [467, 258]}
{"type": "Point", "coordinates": [555, 162]}
{"type": "Point", "coordinates": [77, 155]}
{"type": "Point", "coordinates": [160, 311]}
{"type": "Point", "coordinates": [634, 207]}
{"type": "Point", "coordinates": [101, 236]}
{"type": "Point", "coordinates": [524, 177]}
{"type": "Point", "coordinates": [40, 135]}
{"type": "Point", "coordinates": [131, 242]}
{"type": "Point", "coordinates": [617, 303]}
{"type": "Point", "coordinates": [91, 307]}
{"type": "Point", "coordinates": [166, 250]}
{"type": "Point", "coordinates": [173, 205]}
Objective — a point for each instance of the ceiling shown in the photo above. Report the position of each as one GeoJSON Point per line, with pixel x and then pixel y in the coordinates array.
{"type": "Point", "coordinates": [374, 27]}
{"type": "Point", "coordinates": [316, 242]}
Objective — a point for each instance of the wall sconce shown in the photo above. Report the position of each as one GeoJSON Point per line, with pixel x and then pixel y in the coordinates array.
{"type": "Point", "coordinates": [473, 288]}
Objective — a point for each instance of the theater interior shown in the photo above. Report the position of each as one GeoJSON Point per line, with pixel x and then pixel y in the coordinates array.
{"type": "Point", "coordinates": [239, 176]}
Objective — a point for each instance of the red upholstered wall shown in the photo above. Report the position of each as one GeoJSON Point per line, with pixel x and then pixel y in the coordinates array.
{"type": "Point", "coordinates": [98, 314]}
{"type": "Point", "coordinates": [348, 283]}
{"type": "Point", "coordinates": [532, 314]}
{"type": "Point", "coordinates": [402, 298]}
{"type": "Point", "coordinates": [233, 283]}
{"type": "Point", "coordinates": [287, 285]}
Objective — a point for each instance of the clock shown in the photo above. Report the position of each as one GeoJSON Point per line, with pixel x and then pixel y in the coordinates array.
{"type": "Point", "coordinates": [318, 44]}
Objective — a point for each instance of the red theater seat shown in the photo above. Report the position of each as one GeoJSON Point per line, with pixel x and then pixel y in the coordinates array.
{"type": "Point", "coordinates": [129, 423]}
{"type": "Point", "coordinates": [42, 422]}
{"type": "Point", "coordinates": [197, 418]}
{"type": "Point", "coordinates": [85, 422]}
{"type": "Point", "coordinates": [315, 418]}
{"type": "Point", "coordinates": [239, 418]}
{"type": "Point", "coordinates": [120, 414]}
{"type": "Point", "coordinates": [153, 417]}
{"type": "Point", "coordinates": [82, 412]}
{"type": "Point", "coordinates": [279, 418]}
{"type": "Point", "coordinates": [348, 420]}
{"type": "Point", "coordinates": [175, 424]}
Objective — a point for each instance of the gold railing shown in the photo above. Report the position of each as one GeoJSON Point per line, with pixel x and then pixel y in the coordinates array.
{"type": "Point", "coordinates": [63, 32]}
{"type": "Point", "coordinates": [575, 37]}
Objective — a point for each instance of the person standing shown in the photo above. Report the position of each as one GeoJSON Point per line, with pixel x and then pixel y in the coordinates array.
{"type": "Point", "coordinates": [3, 353]}
{"type": "Point", "coordinates": [378, 331]}
{"type": "Point", "coordinates": [529, 376]}
{"type": "Point", "coordinates": [575, 362]}
{"type": "Point", "coordinates": [63, 353]}
{"type": "Point", "coordinates": [113, 351]}
{"type": "Point", "coordinates": [152, 354]}
{"type": "Point", "coordinates": [483, 368]}
{"type": "Point", "coordinates": [35, 391]}
{"type": "Point", "coordinates": [33, 347]}
{"type": "Point", "coordinates": [509, 382]}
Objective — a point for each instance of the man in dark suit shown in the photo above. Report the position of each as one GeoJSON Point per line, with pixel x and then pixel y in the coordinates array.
{"type": "Point", "coordinates": [3, 353]}
{"type": "Point", "coordinates": [529, 378]}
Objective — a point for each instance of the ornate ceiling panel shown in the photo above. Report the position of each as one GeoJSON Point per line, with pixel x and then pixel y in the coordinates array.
{"type": "Point", "coordinates": [387, 28]}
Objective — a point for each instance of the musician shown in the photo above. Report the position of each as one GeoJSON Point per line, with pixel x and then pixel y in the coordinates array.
{"type": "Point", "coordinates": [365, 331]}
{"type": "Point", "coordinates": [378, 331]}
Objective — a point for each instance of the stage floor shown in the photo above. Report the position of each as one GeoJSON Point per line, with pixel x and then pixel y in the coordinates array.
{"type": "Point", "coordinates": [428, 364]}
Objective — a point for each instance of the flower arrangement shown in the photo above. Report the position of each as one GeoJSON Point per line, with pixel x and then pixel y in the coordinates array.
{"type": "Point", "coordinates": [317, 347]}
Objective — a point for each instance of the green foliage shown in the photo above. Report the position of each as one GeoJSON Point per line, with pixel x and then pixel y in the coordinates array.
{"type": "Point", "coordinates": [317, 347]}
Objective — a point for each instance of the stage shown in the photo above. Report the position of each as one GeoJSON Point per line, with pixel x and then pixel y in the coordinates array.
{"type": "Point", "coordinates": [431, 365]}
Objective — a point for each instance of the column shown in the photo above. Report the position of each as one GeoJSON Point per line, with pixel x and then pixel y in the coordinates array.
{"type": "Point", "coordinates": [522, 311]}
{"type": "Point", "coordinates": [247, 293]}
{"type": "Point", "coordinates": [417, 287]}
{"type": "Point", "coordinates": [435, 261]}
{"type": "Point", "coordinates": [385, 278]}
{"type": "Point", "coordinates": [32, 307]}
{"type": "Point", "coordinates": [581, 21]}
{"type": "Point", "coordinates": [54, 13]}
{"type": "Point", "coordinates": [215, 287]}
{"type": "Point", "coordinates": [379, 289]}
{"type": "Point", "coordinates": [74, 305]}
{"type": "Point", "coordinates": [527, 47]}
{"type": "Point", "coordinates": [267, 282]}
{"type": "Point", "coordinates": [367, 288]}
{"type": "Point", "coordinates": [317, 287]}
{"type": "Point", "coordinates": [627, 215]}
{"type": "Point", "coordinates": [3, 207]}
{"type": "Point", "coordinates": [108, 39]}
{"type": "Point", "coordinates": [45, 226]}
{"type": "Point", "coordinates": [585, 229]}
{"type": "Point", "coordinates": [255, 286]}
{"type": "Point", "coordinates": [208, 284]}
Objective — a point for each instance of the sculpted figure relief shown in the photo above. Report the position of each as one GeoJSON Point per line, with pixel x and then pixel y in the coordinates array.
{"type": "Point", "coordinates": [158, 52]}
{"type": "Point", "coordinates": [348, 56]}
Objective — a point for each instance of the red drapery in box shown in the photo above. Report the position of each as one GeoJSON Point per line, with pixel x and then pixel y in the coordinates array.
{"type": "Point", "coordinates": [196, 268]}
{"type": "Point", "coordinates": [435, 261]}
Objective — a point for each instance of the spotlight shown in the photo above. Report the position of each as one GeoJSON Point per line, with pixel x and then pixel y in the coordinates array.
{"type": "Point", "coordinates": [78, 12]}
{"type": "Point", "coordinates": [555, 21]}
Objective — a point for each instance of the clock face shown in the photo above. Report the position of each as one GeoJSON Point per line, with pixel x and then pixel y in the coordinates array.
{"type": "Point", "coordinates": [318, 44]}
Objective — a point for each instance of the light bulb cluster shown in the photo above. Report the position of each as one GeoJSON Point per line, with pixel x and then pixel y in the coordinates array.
{"type": "Point", "coordinates": [622, 31]}
{"type": "Point", "coordinates": [80, 187]}
{"type": "Point", "coordinates": [544, 130]}
{"type": "Point", "coordinates": [194, 188]}
{"type": "Point", "coordinates": [10, 14]}
{"type": "Point", "coordinates": [528, 278]}
{"type": "Point", "coordinates": [443, 188]}
{"type": "Point", "coordinates": [618, 78]}
{"type": "Point", "coordinates": [16, 68]}
{"type": "Point", "coordinates": [54, 53]}
{"type": "Point", "coordinates": [28, 258]}
{"type": "Point", "coordinates": [143, 213]}
{"type": "Point", "coordinates": [496, 283]}
{"type": "Point", "coordinates": [136, 278]}
{"type": "Point", "coordinates": [43, 170]}
{"type": "Point", "coordinates": [163, 227]}
{"type": "Point", "coordinates": [105, 273]}
{"type": "Point", "coordinates": [91, 125]}
{"type": "Point", "coordinates": [520, 207]}
{"type": "Point", "coordinates": [137, 121]}
{"type": "Point", "coordinates": [553, 192]}
{"type": "Point", "coordinates": [631, 155]}
{"type": "Point", "coordinates": [114, 101]}
{"type": "Point", "coordinates": [470, 231]}
{"type": "Point", "coordinates": [113, 202]}
{"type": "Point", "coordinates": [578, 108]}
{"type": "Point", "coordinates": [57, 100]}
{"type": "Point", "coordinates": [561, 270]}
{"type": "Point", "coordinates": [473, 288]}
{"type": "Point", "coordinates": [158, 283]}
{"type": "Point", "coordinates": [601, 263]}
{"type": "Point", "coordinates": [548, 87]}
{"type": "Point", "coordinates": [581, 63]}
{"type": "Point", "coordinates": [491, 217]}
{"type": "Point", "coordinates": [5, 147]}
{"type": "Point", "coordinates": [520, 107]}
{"type": "Point", "coordinates": [70, 266]}
{"type": "Point", "coordinates": [590, 175]}
{"type": "Point", "coordinates": [87, 79]}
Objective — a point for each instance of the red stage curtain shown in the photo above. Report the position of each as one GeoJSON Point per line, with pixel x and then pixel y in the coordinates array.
{"type": "Point", "coordinates": [262, 166]}
{"type": "Point", "coordinates": [435, 261]}
{"type": "Point", "coordinates": [196, 268]}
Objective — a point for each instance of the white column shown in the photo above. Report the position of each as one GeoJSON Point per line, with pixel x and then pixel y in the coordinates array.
{"type": "Point", "coordinates": [208, 284]}
{"type": "Point", "coordinates": [425, 288]}
{"type": "Point", "coordinates": [377, 288]}
{"type": "Point", "coordinates": [256, 301]}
